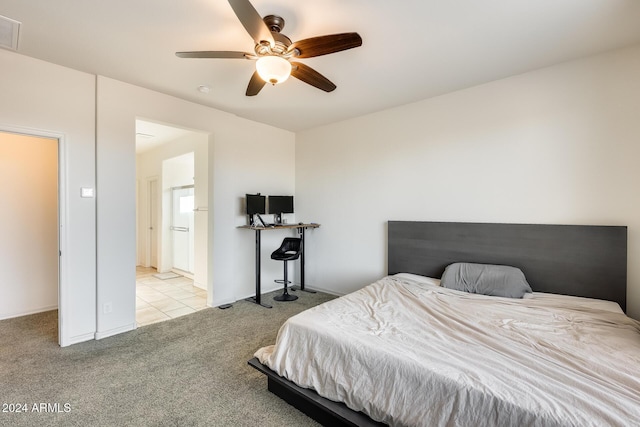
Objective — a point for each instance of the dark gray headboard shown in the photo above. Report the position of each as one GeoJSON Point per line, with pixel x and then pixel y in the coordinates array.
{"type": "Point", "coordinates": [580, 260]}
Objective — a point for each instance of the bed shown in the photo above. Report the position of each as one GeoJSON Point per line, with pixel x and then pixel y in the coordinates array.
{"type": "Point", "coordinates": [405, 351]}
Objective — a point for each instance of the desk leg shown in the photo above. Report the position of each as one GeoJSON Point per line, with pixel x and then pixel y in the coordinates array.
{"type": "Point", "coordinates": [258, 296]}
{"type": "Point", "coordinates": [301, 229]}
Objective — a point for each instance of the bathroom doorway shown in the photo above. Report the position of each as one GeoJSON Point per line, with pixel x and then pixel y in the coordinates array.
{"type": "Point", "coordinates": [172, 171]}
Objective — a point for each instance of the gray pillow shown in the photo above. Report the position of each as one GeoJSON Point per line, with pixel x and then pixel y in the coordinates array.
{"type": "Point", "coordinates": [486, 279]}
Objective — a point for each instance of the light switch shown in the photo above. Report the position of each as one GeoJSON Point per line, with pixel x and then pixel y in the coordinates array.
{"type": "Point", "coordinates": [87, 192]}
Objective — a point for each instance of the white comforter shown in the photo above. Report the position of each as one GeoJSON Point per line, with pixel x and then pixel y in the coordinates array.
{"type": "Point", "coordinates": [414, 354]}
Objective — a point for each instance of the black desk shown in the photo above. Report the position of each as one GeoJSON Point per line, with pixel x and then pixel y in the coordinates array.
{"type": "Point", "coordinates": [301, 228]}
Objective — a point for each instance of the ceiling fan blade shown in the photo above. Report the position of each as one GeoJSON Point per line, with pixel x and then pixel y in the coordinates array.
{"type": "Point", "coordinates": [311, 76]}
{"type": "Point", "coordinates": [252, 21]}
{"type": "Point", "coordinates": [323, 45]}
{"type": "Point", "coordinates": [255, 85]}
{"type": "Point", "coordinates": [213, 54]}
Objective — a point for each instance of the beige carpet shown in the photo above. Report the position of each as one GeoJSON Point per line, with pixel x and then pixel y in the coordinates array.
{"type": "Point", "coordinates": [190, 371]}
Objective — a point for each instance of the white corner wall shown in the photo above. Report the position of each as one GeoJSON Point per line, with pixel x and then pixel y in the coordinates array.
{"type": "Point", "coordinates": [559, 145]}
{"type": "Point", "coordinates": [244, 156]}
{"type": "Point", "coordinates": [250, 161]}
{"type": "Point", "coordinates": [51, 100]}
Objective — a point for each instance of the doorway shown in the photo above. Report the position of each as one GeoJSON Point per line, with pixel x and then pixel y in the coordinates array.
{"type": "Point", "coordinates": [172, 171]}
{"type": "Point", "coordinates": [29, 224]}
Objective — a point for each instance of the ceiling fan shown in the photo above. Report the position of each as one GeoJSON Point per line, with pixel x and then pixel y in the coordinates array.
{"type": "Point", "coordinates": [274, 52]}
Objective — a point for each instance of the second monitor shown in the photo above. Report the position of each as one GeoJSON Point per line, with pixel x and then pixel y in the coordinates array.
{"type": "Point", "coordinates": [279, 205]}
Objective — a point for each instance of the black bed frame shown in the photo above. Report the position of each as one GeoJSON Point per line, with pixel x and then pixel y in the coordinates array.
{"type": "Point", "coordinates": [580, 260]}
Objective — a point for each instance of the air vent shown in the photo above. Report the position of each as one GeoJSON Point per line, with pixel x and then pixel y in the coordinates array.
{"type": "Point", "coordinates": [9, 31]}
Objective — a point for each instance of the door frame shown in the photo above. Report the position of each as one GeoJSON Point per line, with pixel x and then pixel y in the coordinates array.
{"type": "Point", "coordinates": [63, 287]}
{"type": "Point", "coordinates": [147, 222]}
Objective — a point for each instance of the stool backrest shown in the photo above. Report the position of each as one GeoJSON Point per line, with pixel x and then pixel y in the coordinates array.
{"type": "Point", "coordinates": [290, 249]}
{"type": "Point", "coordinates": [291, 244]}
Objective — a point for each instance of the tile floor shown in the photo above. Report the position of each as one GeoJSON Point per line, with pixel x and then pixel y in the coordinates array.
{"type": "Point", "coordinates": [158, 300]}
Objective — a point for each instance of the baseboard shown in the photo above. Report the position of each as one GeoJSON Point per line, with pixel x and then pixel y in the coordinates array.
{"type": "Point", "coordinates": [116, 331]}
{"type": "Point", "coordinates": [77, 339]}
{"type": "Point", "coordinates": [263, 291]}
{"type": "Point", "coordinates": [29, 312]}
{"type": "Point", "coordinates": [321, 289]}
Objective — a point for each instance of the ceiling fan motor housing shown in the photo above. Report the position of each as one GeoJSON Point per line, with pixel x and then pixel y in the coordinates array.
{"type": "Point", "coordinates": [264, 48]}
{"type": "Point", "coordinates": [274, 23]}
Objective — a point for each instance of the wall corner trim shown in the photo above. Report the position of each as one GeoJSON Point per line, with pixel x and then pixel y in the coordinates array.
{"type": "Point", "coordinates": [115, 331]}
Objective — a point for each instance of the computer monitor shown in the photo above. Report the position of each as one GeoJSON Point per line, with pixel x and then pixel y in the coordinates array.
{"type": "Point", "coordinates": [255, 205]}
{"type": "Point", "coordinates": [279, 205]}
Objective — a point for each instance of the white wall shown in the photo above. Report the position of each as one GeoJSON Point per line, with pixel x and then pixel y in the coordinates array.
{"type": "Point", "coordinates": [28, 224]}
{"type": "Point", "coordinates": [94, 118]}
{"type": "Point", "coordinates": [244, 156]}
{"type": "Point", "coordinates": [201, 214]}
{"type": "Point", "coordinates": [248, 165]}
{"type": "Point", "coordinates": [42, 98]}
{"type": "Point", "coordinates": [559, 145]}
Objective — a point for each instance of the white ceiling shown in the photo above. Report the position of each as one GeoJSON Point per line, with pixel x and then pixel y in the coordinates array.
{"type": "Point", "coordinates": [412, 49]}
{"type": "Point", "coordinates": [150, 135]}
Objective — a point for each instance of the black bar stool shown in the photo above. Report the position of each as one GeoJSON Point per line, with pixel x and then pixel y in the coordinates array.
{"type": "Point", "coordinates": [289, 250]}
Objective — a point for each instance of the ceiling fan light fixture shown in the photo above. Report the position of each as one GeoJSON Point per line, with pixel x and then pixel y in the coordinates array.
{"type": "Point", "coordinates": [273, 50]}
{"type": "Point", "coordinates": [273, 69]}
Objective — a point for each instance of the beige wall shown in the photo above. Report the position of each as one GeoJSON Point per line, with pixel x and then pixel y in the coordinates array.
{"type": "Point", "coordinates": [28, 224]}
{"type": "Point", "coordinates": [559, 145]}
